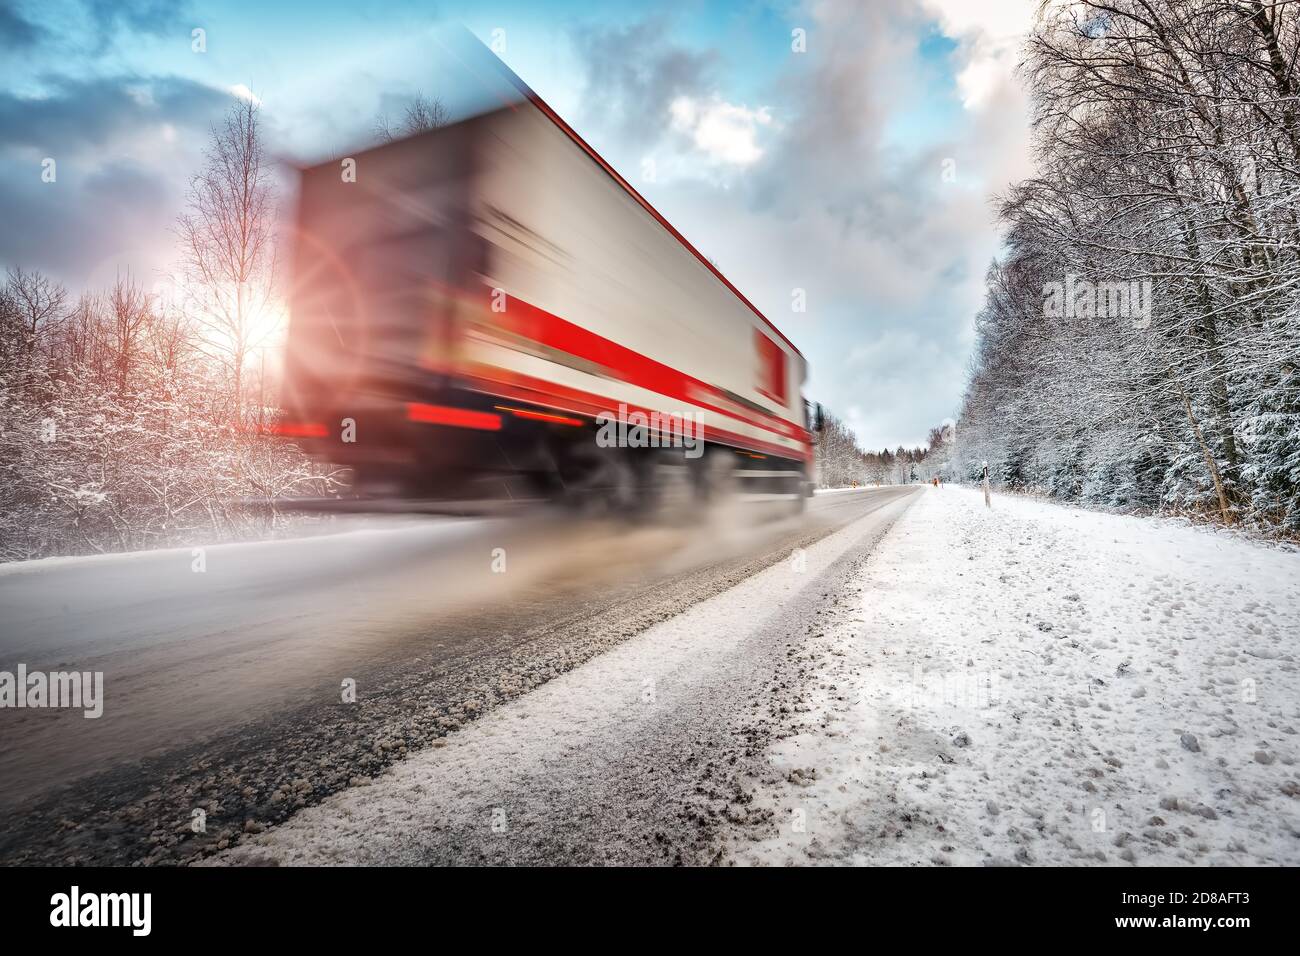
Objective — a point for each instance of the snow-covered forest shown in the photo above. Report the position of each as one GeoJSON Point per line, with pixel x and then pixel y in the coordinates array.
{"type": "Point", "coordinates": [1139, 343]}
{"type": "Point", "coordinates": [120, 430]}
{"type": "Point", "coordinates": [841, 461]}
{"type": "Point", "coordinates": [139, 416]}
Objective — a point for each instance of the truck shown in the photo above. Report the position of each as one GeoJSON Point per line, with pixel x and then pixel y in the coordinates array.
{"type": "Point", "coordinates": [489, 311]}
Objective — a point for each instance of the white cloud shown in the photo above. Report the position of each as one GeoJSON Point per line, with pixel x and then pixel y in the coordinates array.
{"type": "Point", "coordinates": [244, 93]}
{"type": "Point", "coordinates": [724, 132]}
{"type": "Point", "coordinates": [989, 36]}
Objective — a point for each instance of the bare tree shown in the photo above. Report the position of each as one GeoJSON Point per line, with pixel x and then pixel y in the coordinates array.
{"type": "Point", "coordinates": [171, 341]}
{"type": "Point", "coordinates": [31, 304]}
{"type": "Point", "coordinates": [228, 244]}
{"type": "Point", "coordinates": [839, 459]}
{"type": "Point", "coordinates": [421, 114]}
{"type": "Point", "coordinates": [129, 317]}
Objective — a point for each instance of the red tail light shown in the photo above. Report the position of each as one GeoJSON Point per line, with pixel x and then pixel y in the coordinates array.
{"type": "Point", "coordinates": [299, 429]}
{"type": "Point", "coordinates": [456, 417]}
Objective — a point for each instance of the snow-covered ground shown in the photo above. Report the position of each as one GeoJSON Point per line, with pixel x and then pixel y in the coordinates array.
{"type": "Point", "coordinates": [1040, 684]}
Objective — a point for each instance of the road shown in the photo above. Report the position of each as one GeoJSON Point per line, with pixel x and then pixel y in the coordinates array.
{"type": "Point", "coordinates": [223, 686]}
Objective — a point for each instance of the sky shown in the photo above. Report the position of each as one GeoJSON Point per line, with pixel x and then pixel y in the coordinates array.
{"type": "Point", "coordinates": [858, 169]}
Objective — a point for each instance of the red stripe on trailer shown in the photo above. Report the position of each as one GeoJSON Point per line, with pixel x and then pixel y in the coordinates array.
{"type": "Point", "coordinates": [504, 383]}
{"type": "Point", "coordinates": [627, 365]}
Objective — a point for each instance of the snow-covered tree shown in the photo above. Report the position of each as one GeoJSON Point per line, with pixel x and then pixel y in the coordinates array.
{"type": "Point", "coordinates": [1136, 340]}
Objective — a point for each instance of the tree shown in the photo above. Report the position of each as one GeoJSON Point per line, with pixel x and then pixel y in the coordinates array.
{"type": "Point", "coordinates": [1168, 153]}
{"type": "Point", "coordinates": [31, 304]}
{"type": "Point", "coordinates": [421, 114]}
{"type": "Point", "coordinates": [228, 248]}
{"type": "Point", "coordinates": [129, 318]}
{"type": "Point", "coordinates": [839, 459]}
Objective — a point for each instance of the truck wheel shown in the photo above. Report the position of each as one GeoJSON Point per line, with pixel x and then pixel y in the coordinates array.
{"type": "Point", "coordinates": [663, 488]}
{"type": "Point", "coordinates": [598, 481]}
{"type": "Point", "coordinates": [714, 477]}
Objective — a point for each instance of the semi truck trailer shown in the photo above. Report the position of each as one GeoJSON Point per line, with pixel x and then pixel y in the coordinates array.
{"type": "Point", "coordinates": [488, 310]}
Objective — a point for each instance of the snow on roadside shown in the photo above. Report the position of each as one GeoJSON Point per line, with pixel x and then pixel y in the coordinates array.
{"type": "Point", "coordinates": [1045, 685]}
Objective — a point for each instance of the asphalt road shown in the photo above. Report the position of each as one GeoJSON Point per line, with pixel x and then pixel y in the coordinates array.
{"type": "Point", "coordinates": [223, 687]}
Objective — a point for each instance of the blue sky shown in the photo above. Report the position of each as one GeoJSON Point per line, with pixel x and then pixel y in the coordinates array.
{"type": "Point", "coordinates": [822, 170]}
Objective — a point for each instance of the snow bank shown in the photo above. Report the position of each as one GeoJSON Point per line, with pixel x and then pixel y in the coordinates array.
{"type": "Point", "coordinates": [1041, 684]}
